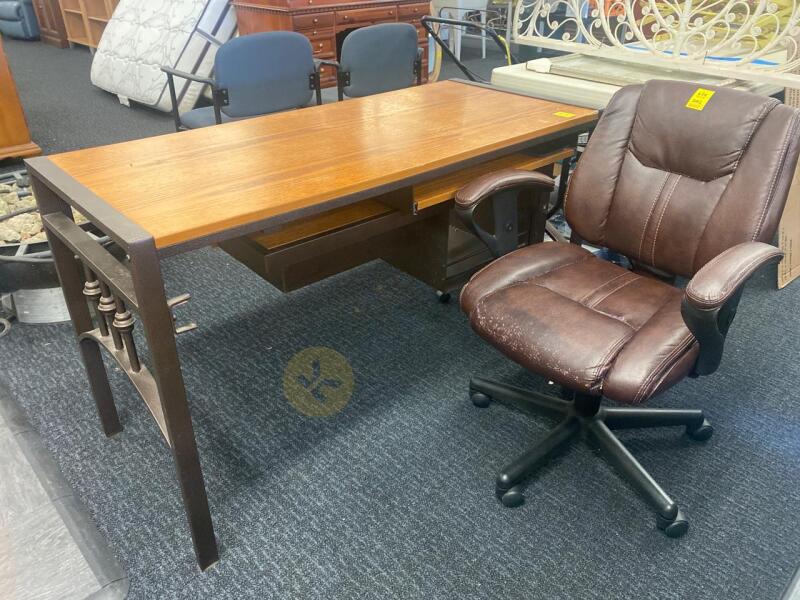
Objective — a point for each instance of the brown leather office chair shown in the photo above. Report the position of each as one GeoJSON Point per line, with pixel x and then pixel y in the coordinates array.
{"type": "Point", "coordinates": [680, 192]}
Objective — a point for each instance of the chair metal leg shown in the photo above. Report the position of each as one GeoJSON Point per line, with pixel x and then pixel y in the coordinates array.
{"type": "Point", "coordinates": [483, 391]}
{"type": "Point", "coordinates": [697, 427]}
{"type": "Point", "coordinates": [523, 466]}
{"type": "Point", "coordinates": [671, 519]}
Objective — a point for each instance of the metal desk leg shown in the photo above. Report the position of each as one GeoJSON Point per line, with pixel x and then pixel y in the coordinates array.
{"type": "Point", "coordinates": [159, 331]}
{"type": "Point", "coordinates": [91, 276]}
{"type": "Point", "coordinates": [72, 285]}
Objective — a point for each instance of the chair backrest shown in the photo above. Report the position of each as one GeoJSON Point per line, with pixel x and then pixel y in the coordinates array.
{"type": "Point", "coordinates": [671, 186]}
{"type": "Point", "coordinates": [265, 72]}
{"type": "Point", "coordinates": [379, 58]}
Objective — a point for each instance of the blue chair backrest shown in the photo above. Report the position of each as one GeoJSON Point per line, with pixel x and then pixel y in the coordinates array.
{"type": "Point", "coordinates": [380, 58]}
{"type": "Point", "coordinates": [265, 72]}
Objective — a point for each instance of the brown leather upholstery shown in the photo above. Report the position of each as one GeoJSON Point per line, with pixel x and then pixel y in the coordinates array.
{"type": "Point", "coordinates": [670, 187]}
{"type": "Point", "coordinates": [719, 279]}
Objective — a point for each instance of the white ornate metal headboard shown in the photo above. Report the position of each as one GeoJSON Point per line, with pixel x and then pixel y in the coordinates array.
{"type": "Point", "coordinates": [751, 40]}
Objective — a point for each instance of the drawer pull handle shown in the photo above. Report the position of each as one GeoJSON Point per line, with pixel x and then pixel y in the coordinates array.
{"type": "Point", "coordinates": [315, 20]}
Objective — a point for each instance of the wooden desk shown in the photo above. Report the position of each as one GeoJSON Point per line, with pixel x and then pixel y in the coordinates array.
{"type": "Point", "coordinates": [326, 22]}
{"type": "Point", "coordinates": [154, 198]}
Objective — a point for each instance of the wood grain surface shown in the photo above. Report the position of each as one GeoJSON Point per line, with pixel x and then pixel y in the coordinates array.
{"type": "Point", "coordinates": [184, 186]}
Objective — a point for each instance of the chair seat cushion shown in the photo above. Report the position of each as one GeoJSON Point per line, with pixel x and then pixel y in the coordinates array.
{"type": "Point", "coordinates": [204, 117]}
{"type": "Point", "coordinates": [583, 322]}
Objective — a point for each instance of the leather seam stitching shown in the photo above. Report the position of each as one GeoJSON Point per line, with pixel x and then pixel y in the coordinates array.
{"type": "Point", "coordinates": [517, 282]}
{"type": "Point", "coordinates": [589, 294]}
{"type": "Point", "coordinates": [612, 292]}
{"type": "Point", "coordinates": [646, 383]}
{"type": "Point", "coordinates": [654, 386]}
{"type": "Point", "coordinates": [768, 200]}
{"type": "Point", "coordinates": [756, 123]}
{"type": "Point", "coordinates": [607, 358]}
{"type": "Point", "coordinates": [650, 214]}
{"type": "Point", "coordinates": [661, 218]}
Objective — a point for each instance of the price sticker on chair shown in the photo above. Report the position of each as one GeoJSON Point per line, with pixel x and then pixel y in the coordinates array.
{"type": "Point", "coordinates": [699, 99]}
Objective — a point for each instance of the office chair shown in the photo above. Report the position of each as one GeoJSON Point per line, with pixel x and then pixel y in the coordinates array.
{"type": "Point", "coordinates": [681, 191]}
{"type": "Point", "coordinates": [254, 75]}
{"type": "Point", "coordinates": [378, 58]}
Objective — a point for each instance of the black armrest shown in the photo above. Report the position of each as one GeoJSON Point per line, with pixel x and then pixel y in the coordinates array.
{"type": "Point", "coordinates": [503, 187]}
{"type": "Point", "coordinates": [217, 96]}
{"type": "Point", "coordinates": [418, 65]}
{"type": "Point", "coordinates": [184, 75]}
{"type": "Point", "coordinates": [712, 297]}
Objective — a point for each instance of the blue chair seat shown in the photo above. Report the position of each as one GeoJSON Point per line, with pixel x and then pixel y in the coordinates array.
{"type": "Point", "coordinates": [203, 117]}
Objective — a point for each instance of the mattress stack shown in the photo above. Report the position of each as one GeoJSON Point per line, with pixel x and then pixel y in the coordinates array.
{"type": "Point", "coordinates": [141, 37]}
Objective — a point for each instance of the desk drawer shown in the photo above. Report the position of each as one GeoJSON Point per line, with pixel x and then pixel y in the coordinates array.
{"type": "Point", "coordinates": [323, 47]}
{"type": "Point", "coordinates": [367, 15]}
{"type": "Point", "coordinates": [313, 21]}
{"type": "Point", "coordinates": [412, 12]}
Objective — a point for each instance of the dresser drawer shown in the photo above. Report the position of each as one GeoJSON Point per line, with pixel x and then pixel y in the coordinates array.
{"type": "Point", "coordinates": [323, 46]}
{"type": "Point", "coordinates": [313, 21]}
{"type": "Point", "coordinates": [367, 15]}
{"type": "Point", "coordinates": [412, 12]}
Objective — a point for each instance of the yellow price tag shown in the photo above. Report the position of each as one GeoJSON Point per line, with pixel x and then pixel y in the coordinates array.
{"type": "Point", "coordinates": [566, 115]}
{"type": "Point", "coordinates": [699, 99]}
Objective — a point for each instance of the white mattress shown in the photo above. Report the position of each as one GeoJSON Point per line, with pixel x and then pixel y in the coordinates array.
{"type": "Point", "coordinates": [144, 35]}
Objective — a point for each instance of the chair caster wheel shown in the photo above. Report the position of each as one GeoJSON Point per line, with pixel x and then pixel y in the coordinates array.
{"type": "Point", "coordinates": [675, 528]}
{"type": "Point", "coordinates": [701, 433]}
{"type": "Point", "coordinates": [444, 297]}
{"type": "Point", "coordinates": [480, 399]}
{"type": "Point", "coordinates": [512, 497]}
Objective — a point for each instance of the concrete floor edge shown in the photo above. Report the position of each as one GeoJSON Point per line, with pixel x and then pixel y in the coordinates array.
{"type": "Point", "coordinates": [111, 577]}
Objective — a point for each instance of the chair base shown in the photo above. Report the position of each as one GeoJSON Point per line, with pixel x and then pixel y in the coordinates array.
{"type": "Point", "coordinates": [583, 416]}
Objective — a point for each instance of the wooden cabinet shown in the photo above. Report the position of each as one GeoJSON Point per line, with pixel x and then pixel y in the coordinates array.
{"type": "Point", "coordinates": [85, 20]}
{"type": "Point", "coordinates": [15, 141]}
{"type": "Point", "coordinates": [326, 22]}
{"type": "Point", "coordinates": [51, 22]}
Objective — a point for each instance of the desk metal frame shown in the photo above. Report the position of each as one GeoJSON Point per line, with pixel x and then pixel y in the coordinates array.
{"type": "Point", "coordinates": [102, 293]}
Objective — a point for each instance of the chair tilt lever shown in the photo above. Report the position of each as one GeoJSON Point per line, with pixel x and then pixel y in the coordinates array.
{"type": "Point", "coordinates": [174, 303]}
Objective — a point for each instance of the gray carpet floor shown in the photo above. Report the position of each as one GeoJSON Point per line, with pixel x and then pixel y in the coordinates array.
{"type": "Point", "coordinates": [393, 496]}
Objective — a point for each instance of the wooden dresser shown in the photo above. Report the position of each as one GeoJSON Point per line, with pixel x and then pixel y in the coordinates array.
{"type": "Point", "coordinates": [15, 141]}
{"type": "Point", "coordinates": [51, 22]}
{"type": "Point", "coordinates": [326, 22]}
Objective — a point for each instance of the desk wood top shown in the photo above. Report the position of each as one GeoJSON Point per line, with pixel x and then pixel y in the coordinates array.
{"type": "Point", "coordinates": [185, 186]}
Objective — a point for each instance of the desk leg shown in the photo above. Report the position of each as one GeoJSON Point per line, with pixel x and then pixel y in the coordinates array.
{"type": "Point", "coordinates": [158, 325]}
{"type": "Point", "coordinates": [98, 285]}
{"type": "Point", "coordinates": [75, 295]}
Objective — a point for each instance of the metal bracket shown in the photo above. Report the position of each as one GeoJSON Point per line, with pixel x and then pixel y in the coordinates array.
{"type": "Point", "coordinates": [174, 303]}
{"type": "Point", "coordinates": [222, 96]}
{"type": "Point", "coordinates": [344, 77]}
{"type": "Point", "coordinates": [313, 80]}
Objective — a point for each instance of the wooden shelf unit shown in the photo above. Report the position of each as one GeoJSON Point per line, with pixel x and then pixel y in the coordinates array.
{"type": "Point", "coordinates": [85, 20]}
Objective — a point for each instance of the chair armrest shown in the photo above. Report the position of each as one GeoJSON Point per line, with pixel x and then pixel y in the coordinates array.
{"type": "Point", "coordinates": [184, 75]}
{"type": "Point", "coordinates": [712, 297]}
{"type": "Point", "coordinates": [318, 62]}
{"type": "Point", "coordinates": [718, 280]}
{"type": "Point", "coordinates": [503, 187]}
{"type": "Point", "coordinates": [477, 190]}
